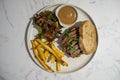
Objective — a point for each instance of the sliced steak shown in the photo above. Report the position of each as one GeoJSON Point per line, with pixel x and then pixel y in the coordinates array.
{"type": "Point", "coordinates": [73, 32]}
{"type": "Point", "coordinates": [73, 43]}
{"type": "Point", "coordinates": [64, 39]}
{"type": "Point", "coordinates": [69, 42]}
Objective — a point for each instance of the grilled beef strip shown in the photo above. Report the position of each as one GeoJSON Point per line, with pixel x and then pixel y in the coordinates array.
{"type": "Point", "coordinates": [70, 42]}
{"type": "Point", "coordinates": [64, 39]}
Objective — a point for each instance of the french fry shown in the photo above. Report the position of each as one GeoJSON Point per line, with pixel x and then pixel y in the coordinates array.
{"type": "Point", "coordinates": [49, 58]}
{"type": "Point", "coordinates": [47, 47]}
{"type": "Point", "coordinates": [58, 68]}
{"type": "Point", "coordinates": [32, 42]}
{"type": "Point", "coordinates": [36, 44]}
{"type": "Point", "coordinates": [46, 42]}
{"type": "Point", "coordinates": [46, 67]}
{"type": "Point", "coordinates": [61, 54]}
{"type": "Point", "coordinates": [65, 63]}
{"type": "Point", "coordinates": [50, 69]}
{"type": "Point", "coordinates": [47, 51]}
{"type": "Point", "coordinates": [33, 46]}
{"type": "Point", "coordinates": [50, 50]}
{"type": "Point", "coordinates": [52, 58]}
{"type": "Point", "coordinates": [47, 54]}
{"type": "Point", "coordinates": [41, 54]}
{"type": "Point", "coordinates": [43, 63]}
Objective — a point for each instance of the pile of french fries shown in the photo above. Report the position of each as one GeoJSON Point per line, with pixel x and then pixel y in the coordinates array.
{"type": "Point", "coordinates": [46, 51]}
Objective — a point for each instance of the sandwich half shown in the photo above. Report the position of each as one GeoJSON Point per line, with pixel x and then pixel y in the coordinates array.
{"type": "Point", "coordinates": [78, 40]}
{"type": "Point", "coordinates": [87, 37]}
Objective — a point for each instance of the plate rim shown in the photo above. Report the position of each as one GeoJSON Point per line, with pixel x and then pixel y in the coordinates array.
{"type": "Point", "coordinates": [33, 59]}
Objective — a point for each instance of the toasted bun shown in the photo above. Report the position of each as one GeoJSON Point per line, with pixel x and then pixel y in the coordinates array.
{"type": "Point", "coordinates": [88, 37]}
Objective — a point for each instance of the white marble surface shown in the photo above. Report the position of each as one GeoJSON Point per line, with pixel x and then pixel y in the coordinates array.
{"type": "Point", "coordinates": [15, 63]}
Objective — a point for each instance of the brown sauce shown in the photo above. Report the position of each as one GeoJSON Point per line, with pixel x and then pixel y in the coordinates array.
{"type": "Point", "coordinates": [67, 15]}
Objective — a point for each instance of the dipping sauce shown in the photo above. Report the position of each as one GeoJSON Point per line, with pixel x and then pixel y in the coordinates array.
{"type": "Point", "coordinates": [67, 15]}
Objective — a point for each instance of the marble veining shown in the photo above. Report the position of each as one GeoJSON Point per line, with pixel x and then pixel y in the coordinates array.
{"type": "Point", "coordinates": [15, 62]}
{"type": "Point", "coordinates": [2, 78]}
{"type": "Point", "coordinates": [92, 1]}
{"type": "Point", "coordinates": [3, 39]}
{"type": "Point", "coordinates": [6, 14]}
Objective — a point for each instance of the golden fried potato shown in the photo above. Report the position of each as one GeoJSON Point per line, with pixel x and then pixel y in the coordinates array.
{"type": "Point", "coordinates": [45, 51]}
{"type": "Point", "coordinates": [58, 68]}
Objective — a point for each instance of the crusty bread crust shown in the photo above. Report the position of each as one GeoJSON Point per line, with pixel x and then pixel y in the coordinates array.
{"type": "Point", "coordinates": [88, 37]}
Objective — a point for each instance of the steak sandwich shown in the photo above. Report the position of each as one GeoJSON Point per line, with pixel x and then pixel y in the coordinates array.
{"type": "Point", "coordinates": [79, 40]}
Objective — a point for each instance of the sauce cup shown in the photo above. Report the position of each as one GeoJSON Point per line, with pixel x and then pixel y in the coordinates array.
{"type": "Point", "coordinates": [67, 15]}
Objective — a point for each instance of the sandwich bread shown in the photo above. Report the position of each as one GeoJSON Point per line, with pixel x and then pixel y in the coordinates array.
{"type": "Point", "coordinates": [87, 37]}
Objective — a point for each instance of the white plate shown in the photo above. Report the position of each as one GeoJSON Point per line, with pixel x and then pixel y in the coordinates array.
{"type": "Point", "coordinates": [74, 64]}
